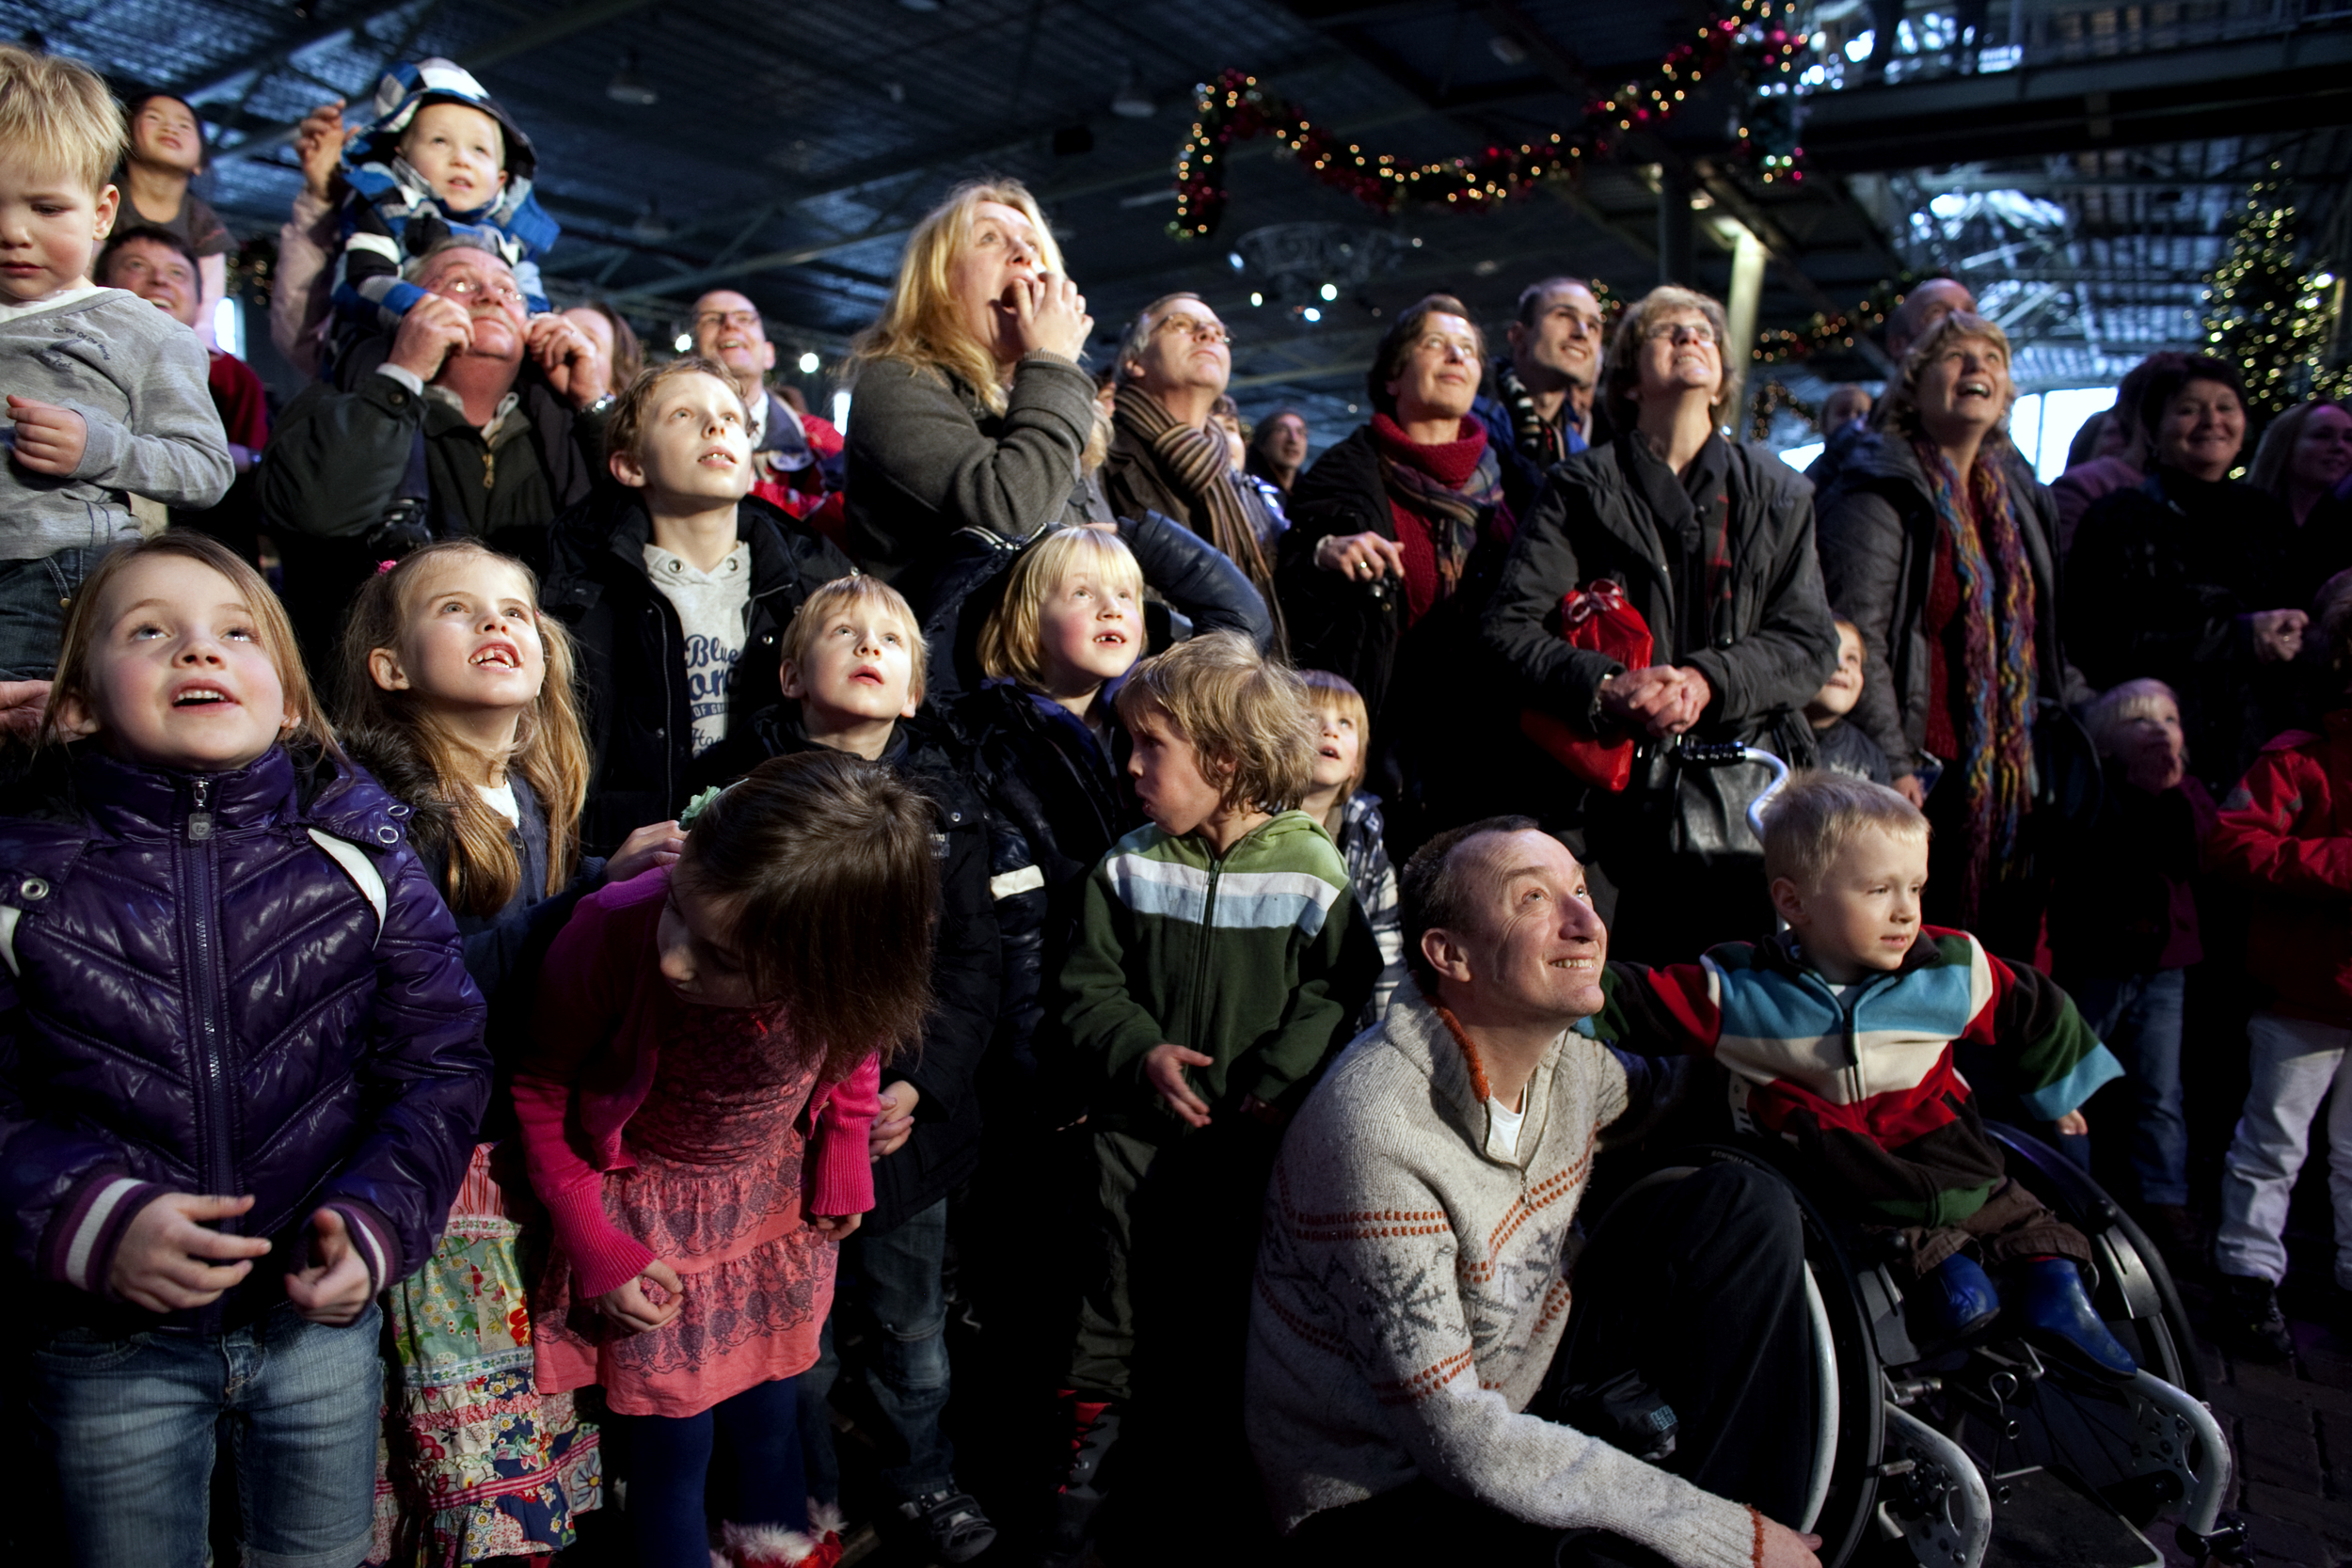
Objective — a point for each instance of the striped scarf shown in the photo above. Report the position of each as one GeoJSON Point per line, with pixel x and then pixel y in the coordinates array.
{"type": "Point", "coordinates": [1200, 463]}
{"type": "Point", "coordinates": [1994, 715]}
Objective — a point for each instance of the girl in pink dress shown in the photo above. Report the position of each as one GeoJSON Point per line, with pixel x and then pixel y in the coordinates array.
{"type": "Point", "coordinates": [694, 1113]}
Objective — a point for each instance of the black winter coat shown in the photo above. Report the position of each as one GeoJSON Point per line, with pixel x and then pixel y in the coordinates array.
{"type": "Point", "coordinates": [229, 983]}
{"type": "Point", "coordinates": [1357, 629]}
{"type": "Point", "coordinates": [632, 649]}
{"type": "Point", "coordinates": [2163, 578]}
{"type": "Point", "coordinates": [1774, 643]}
{"type": "Point", "coordinates": [1057, 799]}
{"type": "Point", "coordinates": [1878, 530]}
{"type": "Point", "coordinates": [944, 1147]}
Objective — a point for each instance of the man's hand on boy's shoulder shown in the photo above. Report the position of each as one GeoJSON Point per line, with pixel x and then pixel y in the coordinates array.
{"type": "Point", "coordinates": [49, 439]}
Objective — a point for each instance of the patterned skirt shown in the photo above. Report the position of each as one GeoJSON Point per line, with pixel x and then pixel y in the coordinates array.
{"type": "Point", "coordinates": [474, 1462]}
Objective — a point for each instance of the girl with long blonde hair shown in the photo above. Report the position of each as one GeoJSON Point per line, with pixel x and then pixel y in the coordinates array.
{"type": "Point", "coordinates": [458, 695]}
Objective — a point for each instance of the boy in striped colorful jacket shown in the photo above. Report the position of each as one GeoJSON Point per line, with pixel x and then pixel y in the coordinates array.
{"type": "Point", "coordinates": [1220, 961]}
{"type": "Point", "coordinates": [1836, 1036]}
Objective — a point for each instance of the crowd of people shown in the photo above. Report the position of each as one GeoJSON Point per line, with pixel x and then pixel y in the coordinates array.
{"type": "Point", "coordinates": [1050, 903]}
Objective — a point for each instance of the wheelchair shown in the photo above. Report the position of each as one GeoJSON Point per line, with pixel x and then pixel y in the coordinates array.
{"type": "Point", "coordinates": [1954, 1454]}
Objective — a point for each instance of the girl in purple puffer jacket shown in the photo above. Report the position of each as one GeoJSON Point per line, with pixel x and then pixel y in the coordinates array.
{"type": "Point", "coordinates": [241, 1067]}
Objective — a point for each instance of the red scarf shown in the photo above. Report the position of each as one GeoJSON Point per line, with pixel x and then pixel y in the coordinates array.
{"type": "Point", "coordinates": [1436, 493]}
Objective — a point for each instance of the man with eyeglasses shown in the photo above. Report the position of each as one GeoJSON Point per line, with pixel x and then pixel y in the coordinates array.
{"type": "Point", "coordinates": [1168, 453]}
{"type": "Point", "coordinates": [1540, 410]}
{"type": "Point", "coordinates": [797, 457]}
{"type": "Point", "coordinates": [473, 421]}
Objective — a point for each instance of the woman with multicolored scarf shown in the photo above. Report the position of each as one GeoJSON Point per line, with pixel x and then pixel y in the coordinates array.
{"type": "Point", "coordinates": [1936, 543]}
{"type": "Point", "coordinates": [1396, 536]}
{"type": "Point", "coordinates": [1712, 544]}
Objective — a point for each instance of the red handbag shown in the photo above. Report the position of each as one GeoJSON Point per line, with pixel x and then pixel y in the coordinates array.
{"type": "Point", "coordinates": [1599, 618]}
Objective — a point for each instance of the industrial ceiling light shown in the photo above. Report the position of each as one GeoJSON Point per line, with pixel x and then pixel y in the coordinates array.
{"type": "Point", "coordinates": [1131, 102]}
{"type": "Point", "coordinates": [626, 86]}
{"type": "Point", "coordinates": [809, 363]}
{"type": "Point", "coordinates": [920, 4]}
{"type": "Point", "coordinates": [651, 227]}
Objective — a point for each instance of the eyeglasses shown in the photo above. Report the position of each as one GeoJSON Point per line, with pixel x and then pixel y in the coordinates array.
{"type": "Point", "coordinates": [1208, 334]}
{"type": "Point", "coordinates": [466, 288]}
{"type": "Point", "coordinates": [721, 320]}
{"type": "Point", "coordinates": [1702, 333]}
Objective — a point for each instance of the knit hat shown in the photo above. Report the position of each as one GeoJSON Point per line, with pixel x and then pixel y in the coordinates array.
{"type": "Point", "coordinates": [407, 89]}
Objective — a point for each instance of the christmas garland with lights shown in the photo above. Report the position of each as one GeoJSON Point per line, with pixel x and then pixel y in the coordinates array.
{"type": "Point", "coordinates": [1826, 333]}
{"type": "Point", "coordinates": [1742, 39]}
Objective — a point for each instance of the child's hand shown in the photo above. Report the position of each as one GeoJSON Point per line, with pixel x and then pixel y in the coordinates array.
{"type": "Point", "coordinates": [171, 1260]}
{"type": "Point", "coordinates": [834, 1228]}
{"type": "Point", "coordinates": [2074, 1124]}
{"type": "Point", "coordinates": [2277, 633]}
{"type": "Point", "coordinates": [49, 439]}
{"type": "Point", "coordinates": [334, 1289]}
{"type": "Point", "coordinates": [435, 327]}
{"type": "Point", "coordinates": [319, 148]}
{"type": "Point", "coordinates": [656, 844]}
{"type": "Point", "coordinates": [637, 1309]}
{"type": "Point", "coordinates": [895, 1124]}
{"type": "Point", "coordinates": [1164, 1069]}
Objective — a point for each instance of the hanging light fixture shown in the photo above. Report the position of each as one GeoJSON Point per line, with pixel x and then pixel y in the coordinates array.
{"type": "Point", "coordinates": [651, 227]}
{"type": "Point", "coordinates": [1131, 102]}
{"type": "Point", "coordinates": [626, 86]}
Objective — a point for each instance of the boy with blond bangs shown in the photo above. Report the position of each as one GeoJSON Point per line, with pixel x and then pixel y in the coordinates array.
{"type": "Point", "coordinates": [1837, 1037]}
{"type": "Point", "coordinates": [107, 394]}
{"type": "Point", "coordinates": [851, 666]}
{"type": "Point", "coordinates": [1220, 961]}
{"type": "Point", "coordinates": [1338, 800]}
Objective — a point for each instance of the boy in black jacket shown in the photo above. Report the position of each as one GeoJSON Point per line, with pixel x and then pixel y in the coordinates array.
{"type": "Point", "coordinates": [677, 590]}
{"type": "Point", "coordinates": [851, 666]}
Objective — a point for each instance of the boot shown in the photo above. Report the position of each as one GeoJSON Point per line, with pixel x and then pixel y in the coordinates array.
{"type": "Point", "coordinates": [2057, 1316]}
{"type": "Point", "coordinates": [2251, 1322]}
{"type": "Point", "coordinates": [1957, 1296]}
{"type": "Point", "coordinates": [1094, 1430]}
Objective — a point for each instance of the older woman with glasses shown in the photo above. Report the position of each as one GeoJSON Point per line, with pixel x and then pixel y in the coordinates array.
{"type": "Point", "coordinates": [1397, 534]}
{"type": "Point", "coordinates": [1167, 452]}
{"type": "Point", "coordinates": [1939, 547]}
{"type": "Point", "coordinates": [1712, 544]}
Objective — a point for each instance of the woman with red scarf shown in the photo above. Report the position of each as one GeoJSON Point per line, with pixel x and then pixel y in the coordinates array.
{"type": "Point", "coordinates": [1397, 534]}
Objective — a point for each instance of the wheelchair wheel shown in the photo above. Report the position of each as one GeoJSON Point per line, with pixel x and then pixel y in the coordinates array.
{"type": "Point", "coordinates": [1848, 1445]}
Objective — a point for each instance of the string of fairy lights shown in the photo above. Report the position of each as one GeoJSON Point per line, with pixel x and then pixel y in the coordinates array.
{"type": "Point", "coordinates": [1743, 39]}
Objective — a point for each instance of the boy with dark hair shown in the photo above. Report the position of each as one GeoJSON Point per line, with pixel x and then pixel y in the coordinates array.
{"type": "Point", "coordinates": [107, 396]}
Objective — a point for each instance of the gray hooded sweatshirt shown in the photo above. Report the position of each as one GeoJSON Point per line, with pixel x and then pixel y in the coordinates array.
{"type": "Point", "coordinates": [139, 378]}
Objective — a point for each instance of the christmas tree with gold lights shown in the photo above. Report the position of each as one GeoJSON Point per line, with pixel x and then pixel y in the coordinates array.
{"type": "Point", "coordinates": [2272, 314]}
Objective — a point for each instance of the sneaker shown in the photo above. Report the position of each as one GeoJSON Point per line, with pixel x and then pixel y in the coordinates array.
{"type": "Point", "coordinates": [2057, 1316]}
{"type": "Point", "coordinates": [952, 1522]}
{"type": "Point", "coordinates": [2250, 1319]}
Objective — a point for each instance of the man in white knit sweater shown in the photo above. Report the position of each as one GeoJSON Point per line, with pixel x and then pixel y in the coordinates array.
{"type": "Point", "coordinates": [1408, 1388]}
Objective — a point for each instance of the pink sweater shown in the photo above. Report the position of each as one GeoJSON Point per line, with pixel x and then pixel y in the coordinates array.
{"type": "Point", "coordinates": [604, 1009]}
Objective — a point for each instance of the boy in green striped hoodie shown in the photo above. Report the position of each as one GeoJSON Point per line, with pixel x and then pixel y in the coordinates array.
{"type": "Point", "coordinates": [1219, 962]}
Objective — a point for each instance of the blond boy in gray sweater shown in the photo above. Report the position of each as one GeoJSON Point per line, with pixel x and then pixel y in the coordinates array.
{"type": "Point", "coordinates": [106, 395]}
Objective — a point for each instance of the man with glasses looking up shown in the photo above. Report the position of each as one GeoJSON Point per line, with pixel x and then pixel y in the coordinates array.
{"type": "Point", "coordinates": [1540, 409]}
{"type": "Point", "coordinates": [472, 421]}
{"type": "Point", "coordinates": [1167, 454]}
{"type": "Point", "coordinates": [797, 456]}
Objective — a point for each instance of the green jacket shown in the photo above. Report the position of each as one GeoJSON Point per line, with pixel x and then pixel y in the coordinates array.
{"type": "Point", "coordinates": [1257, 959]}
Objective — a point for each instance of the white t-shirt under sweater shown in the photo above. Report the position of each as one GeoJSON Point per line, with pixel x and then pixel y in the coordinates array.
{"type": "Point", "coordinates": [714, 611]}
{"type": "Point", "coordinates": [501, 799]}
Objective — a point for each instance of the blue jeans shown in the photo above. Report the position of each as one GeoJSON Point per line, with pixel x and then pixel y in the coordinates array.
{"type": "Point", "coordinates": [129, 1425]}
{"type": "Point", "coordinates": [33, 599]}
{"type": "Point", "coordinates": [897, 1274]}
{"type": "Point", "coordinates": [2139, 1017]}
